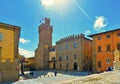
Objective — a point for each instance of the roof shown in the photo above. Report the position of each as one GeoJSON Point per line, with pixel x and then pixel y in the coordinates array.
{"type": "Point", "coordinates": [104, 32]}
{"type": "Point", "coordinates": [9, 25]}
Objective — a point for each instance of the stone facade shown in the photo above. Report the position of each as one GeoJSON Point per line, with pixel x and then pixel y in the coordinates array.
{"type": "Point", "coordinates": [74, 53]}
{"type": "Point", "coordinates": [52, 57]}
{"type": "Point", "coordinates": [9, 39]}
{"type": "Point", "coordinates": [70, 53]}
{"type": "Point", "coordinates": [116, 62]}
{"type": "Point", "coordinates": [104, 44]}
{"type": "Point", "coordinates": [45, 41]}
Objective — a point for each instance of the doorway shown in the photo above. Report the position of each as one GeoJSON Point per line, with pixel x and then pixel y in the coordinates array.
{"type": "Point", "coordinates": [75, 66]}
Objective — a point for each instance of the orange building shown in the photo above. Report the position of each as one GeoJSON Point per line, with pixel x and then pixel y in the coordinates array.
{"type": "Point", "coordinates": [104, 45]}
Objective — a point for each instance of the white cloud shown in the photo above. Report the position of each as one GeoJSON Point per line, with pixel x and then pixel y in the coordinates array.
{"type": "Point", "coordinates": [23, 41]}
{"type": "Point", "coordinates": [26, 53]}
{"type": "Point", "coordinates": [100, 22]}
{"type": "Point", "coordinates": [87, 32]}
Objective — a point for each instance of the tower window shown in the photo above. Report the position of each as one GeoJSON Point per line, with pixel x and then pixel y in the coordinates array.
{"type": "Point", "coordinates": [108, 47]}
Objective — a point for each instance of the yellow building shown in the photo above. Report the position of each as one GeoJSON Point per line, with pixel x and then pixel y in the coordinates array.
{"type": "Point", "coordinates": [9, 38]}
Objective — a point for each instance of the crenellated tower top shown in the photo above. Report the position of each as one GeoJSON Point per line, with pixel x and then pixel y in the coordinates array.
{"type": "Point", "coordinates": [45, 33]}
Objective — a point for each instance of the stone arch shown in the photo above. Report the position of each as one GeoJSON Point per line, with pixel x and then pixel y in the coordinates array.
{"type": "Point", "coordinates": [75, 66]}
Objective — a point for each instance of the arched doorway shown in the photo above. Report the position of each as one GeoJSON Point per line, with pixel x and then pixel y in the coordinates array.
{"type": "Point", "coordinates": [1, 75]}
{"type": "Point", "coordinates": [75, 66]}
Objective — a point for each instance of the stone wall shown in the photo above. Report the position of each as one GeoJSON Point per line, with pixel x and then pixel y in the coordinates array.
{"type": "Point", "coordinates": [116, 62]}
{"type": "Point", "coordinates": [75, 52]}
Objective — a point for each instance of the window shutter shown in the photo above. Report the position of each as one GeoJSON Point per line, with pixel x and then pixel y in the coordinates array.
{"type": "Point", "coordinates": [1, 36]}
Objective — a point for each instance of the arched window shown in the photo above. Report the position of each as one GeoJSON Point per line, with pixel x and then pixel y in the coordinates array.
{"type": "Point", "coordinates": [66, 57]}
{"type": "Point", "coordinates": [60, 58]}
{"type": "Point", "coordinates": [60, 48]}
{"type": "Point", "coordinates": [75, 45]}
{"type": "Point", "coordinates": [75, 56]}
{"type": "Point", "coordinates": [66, 46]}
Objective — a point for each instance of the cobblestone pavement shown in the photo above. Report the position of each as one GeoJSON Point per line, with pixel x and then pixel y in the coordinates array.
{"type": "Point", "coordinates": [112, 77]}
{"type": "Point", "coordinates": [48, 77]}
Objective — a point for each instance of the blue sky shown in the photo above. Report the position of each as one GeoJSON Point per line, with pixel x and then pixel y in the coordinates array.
{"type": "Point", "coordinates": [67, 17]}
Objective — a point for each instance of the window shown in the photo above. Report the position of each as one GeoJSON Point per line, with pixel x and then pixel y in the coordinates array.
{"type": "Point", "coordinates": [108, 47]}
{"type": "Point", "coordinates": [7, 60]}
{"type": "Point", "coordinates": [108, 36]}
{"type": "Point", "coordinates": [0, 52]}
{"type": "Point", "coordinates": [66, 57]}
{"type": "Point", "coordinates": [99, 38]}
{"type": "Point", "coordinates": [1, 36]}
{"type": "Point", "coordinates": [75, 56]}
{"type": "Point", "coordinates": [99, 64]}
{"type": "Point", "coordinates": [60, 66]}
{"type": "Point", "coordinates": [99, 48]}
{"type": "Point", "coordinates": [60, 58]}
{"type": "Point", "coordinates": [53, 58]}
{"type": "Point", "coordinates": [118, 46]}
{"type": "Point", "coordinates": [66, 46]}
{"type": "Point", "coordinates": [67, 66]}
{"type": "Point", "coordinates": [108, 60]}
{"type": "Point", "coordinates": [75, 45]}
{"type": "Point", "coordinates": [60, 48]}
{"type": "Point", "coordinates": [53, 49]}
{"type": "Point", "coordinates": [26, 61]}
{"type": "Point", "coordinates": [118, 34]}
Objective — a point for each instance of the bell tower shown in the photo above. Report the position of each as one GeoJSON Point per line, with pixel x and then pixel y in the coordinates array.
{"type": "Point", "coordinates": [45, 41]}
